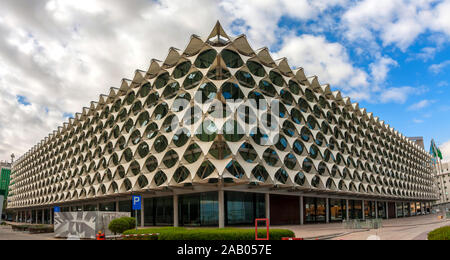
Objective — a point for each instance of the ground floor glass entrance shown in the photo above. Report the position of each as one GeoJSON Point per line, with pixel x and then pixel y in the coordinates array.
{"type": "Point", "coordinates": [243, 208]}
{"type": "Point", "coordinates": [314, 210]}
{"type": "Point", "coordinates": [338, 210]}
{"type": "Point", "coordinates": [199, 209]}
{"type": "Point", "coordinates": [158, 211]}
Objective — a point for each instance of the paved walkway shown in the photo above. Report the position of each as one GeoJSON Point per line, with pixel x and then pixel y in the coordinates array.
{"type": "Point", "coordinates": [6, 233]}
{"type": "Point", "coordinates": [413, 228]}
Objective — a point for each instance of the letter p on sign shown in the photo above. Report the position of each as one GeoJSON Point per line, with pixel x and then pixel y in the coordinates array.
{"type": "Point", "coordinates": [137, 202]}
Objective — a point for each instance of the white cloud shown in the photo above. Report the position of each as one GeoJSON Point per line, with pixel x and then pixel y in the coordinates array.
{"type": "Point", "coordinates": [380, 69]}
{"type": "Point", "coordinates": [398, 95]}
{"type": "Point", "coordinates": [328, 60]}
{"type": "Point", "coordinates": [421, 105]}
{"type": "Point", "coordinates": [437, 68]}
{"type": "Point", "coordinates": [331, 62]}
{"type": "Point", "coordinates": [259, 18]}
{"type": "Point", "coordinates": [418, 121]}
{"type": "Point", "coordinates": [443, 84]}
{"type": "Point", "coordinates": [427, 53]}
{"type": "Point", "coordinates": [395, 22]}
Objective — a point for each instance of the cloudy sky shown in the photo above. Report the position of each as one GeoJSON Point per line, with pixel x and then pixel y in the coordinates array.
{"type": "Point", "coordinates": [393, 56]}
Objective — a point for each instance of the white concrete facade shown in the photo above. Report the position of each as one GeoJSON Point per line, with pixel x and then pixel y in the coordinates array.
{"type": "Point", "coordinates": [124, 143]}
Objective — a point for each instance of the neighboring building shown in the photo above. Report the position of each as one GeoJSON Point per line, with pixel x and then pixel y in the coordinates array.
{"type": "Point", "coordinates": [172, 135]}
{"type": "Point", "coordinates": [418, 140]}
{"type": "Point", "coordinates": [443, 183]}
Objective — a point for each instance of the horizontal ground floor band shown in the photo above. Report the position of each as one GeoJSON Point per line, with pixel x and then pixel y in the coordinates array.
{"type": "Point", "coordinates": [237, 208]}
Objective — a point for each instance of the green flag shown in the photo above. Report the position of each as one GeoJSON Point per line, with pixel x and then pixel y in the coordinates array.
{"type": "Point", "coordinates": [439, 153]}
{"type": "Point", "coordinates": [434, 150]}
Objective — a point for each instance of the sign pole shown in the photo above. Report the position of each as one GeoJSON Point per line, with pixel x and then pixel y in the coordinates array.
{"type": "Point", "coordinates": [137, 205]}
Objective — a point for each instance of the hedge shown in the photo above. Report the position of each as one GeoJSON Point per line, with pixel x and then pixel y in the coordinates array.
{"type": "Point", "coordinates": [41, 229]}
{"type": "Point", "coordinates": [440, 234]}
{"type": "Point", "coordinates": [208, 234]}
{"type": "Point", "coordinates": [119, 225]}
{"type": "Point", "coordinates": [34, 229]}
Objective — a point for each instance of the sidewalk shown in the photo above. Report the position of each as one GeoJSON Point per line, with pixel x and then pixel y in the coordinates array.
{"type": "Point", "coordinates": [6, 233]}
{"type": "Point", "coordinates": [393, 229]}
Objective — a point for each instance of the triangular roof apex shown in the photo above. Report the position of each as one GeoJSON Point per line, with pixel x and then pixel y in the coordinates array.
{"type": "Point", "coordinates": [194, 46]}
{"type": "Point", "coordinates": [265, 56]}
{"type": "Point", "coordinates": [337, 95]}
{"type": "Point", "coordinates": [284, 67]}
{"type": "Point", "coordinates": [218, 32]}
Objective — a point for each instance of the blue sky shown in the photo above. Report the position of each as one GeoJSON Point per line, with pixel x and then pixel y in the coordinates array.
{"type": "Point", "coordinates": [391, 56]}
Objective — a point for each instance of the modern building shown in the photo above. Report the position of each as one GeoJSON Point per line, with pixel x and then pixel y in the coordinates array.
{"type": "Point", "coordinates": [219, 134]}
{"type": "Point", "coordinates": [418, 140]}
{"type": "Point", "coordinates": [443, 183]}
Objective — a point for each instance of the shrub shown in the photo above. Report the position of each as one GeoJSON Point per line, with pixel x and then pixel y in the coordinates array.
{"type": "Point", "coordinates": [440, 234]}
{"type": "Point", "coordinates": [210, 234]}
{"type": "Point", "coordinates": [120, 225]}
{"type": "Point", "coordinates": [20, 227]}
{"type": "Point", "coordinates": [40, 229]}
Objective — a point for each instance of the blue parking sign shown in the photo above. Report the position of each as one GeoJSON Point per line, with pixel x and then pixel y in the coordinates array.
{"type": "Point", "coordinates": [137, 202]}
{"type": "Point", "coordinates": [57, 209]}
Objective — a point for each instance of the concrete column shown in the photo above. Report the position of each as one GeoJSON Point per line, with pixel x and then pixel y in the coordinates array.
{"type": "Point", "coordinates": [175, 211]}
{"type": "Point", "coordinates": [142, 212]}
{"type": "Point", "coordinates": [376, 209]}
{"type": "Point", "coordinates": [302, 213]}
{"type": "Point", "coordinates": [363, 210]}
{"type": "Point", "coordinates": [43, 216]}
{"type": "Point", "coordinates": [267, 198]}
{"type": "Point", "coordinates": [386, 206]}
{"type": "Point", "coordinates": [221, 209]}
{"type": "Point", "coordinates": [347, 211]}
{"type": "Point", "coordinates": [117, 206]}
{"type": "Point", "coordinates": [327, 210]}
{"type": "Point", "coordinates": [396, 210]}
{"type": "Point", "coordinates": [51, 216]}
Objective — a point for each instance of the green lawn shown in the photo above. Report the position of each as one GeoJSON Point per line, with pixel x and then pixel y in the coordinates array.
{"type": "Point", "coordinates": [440, 234]}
